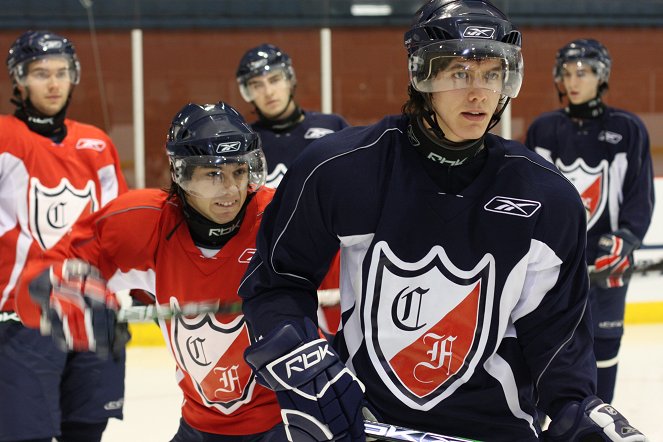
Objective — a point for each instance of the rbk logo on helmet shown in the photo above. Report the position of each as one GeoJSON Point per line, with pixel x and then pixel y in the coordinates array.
{"type": "Point", "coordinates": [479, 32]}
{"type": "Point", "coordinates": [52, 44]}
{"type": "Point", "coordinates": [232, 146]}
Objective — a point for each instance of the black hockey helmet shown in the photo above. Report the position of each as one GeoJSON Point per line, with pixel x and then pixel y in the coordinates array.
{"type": "Point", "coordinates": [584, 51]}
{"type": "Point", "coordinates": [211, 135]}
{"type": "Point", "coordinates": [34, 45]}
{"type": "Point", "coordinates": [263, 60]}
{"type": "Point", "coordinates": [443, 30]}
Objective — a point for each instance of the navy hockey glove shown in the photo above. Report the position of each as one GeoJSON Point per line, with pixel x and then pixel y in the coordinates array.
{"type": "Point", "coordinates": [320, 398]}
{"type": "Point", "coordinates": [614, 264]}
{"type": "Point", "coordinates": [591, 421]}
{"type": "Point", "coordinates": [78, 311]}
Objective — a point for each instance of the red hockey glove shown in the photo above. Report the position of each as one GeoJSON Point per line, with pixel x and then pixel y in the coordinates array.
{"type": "Point", "coordinates": [78, 310]}
{"type": "Point", "coordinates": [614, 264]}
{"type": "Point", "coordinates": [591, 421]}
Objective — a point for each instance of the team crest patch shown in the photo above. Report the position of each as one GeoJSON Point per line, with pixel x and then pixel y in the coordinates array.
{"type": "Point", "coordinates": [53, 211]}
{"type": "Point", "coordinates": [91, 143]}
{"type": "Point", "coordinates": [211, 353]}
{"type": "Point", "coordinates": [592, 184]}
{"type": "Point", "coordinates": [426, 323]}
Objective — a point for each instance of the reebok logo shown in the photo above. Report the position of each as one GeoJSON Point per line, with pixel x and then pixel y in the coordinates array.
{"type": "Point", "coordinates": [479, 32]}
{"type": "Point", "coordinates": [316, 132]}
{"type": "Point", "coordinates": [610, 137]}
{"type": "Point", "coordinates": [91, 143]}
{"type": "Point", "coordinates": [512, 206]}
{"type": "Point", "coordinates": [232, 146]}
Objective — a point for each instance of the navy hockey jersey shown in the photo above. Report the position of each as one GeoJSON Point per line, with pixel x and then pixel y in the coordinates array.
{"type": "Point", "coordinates": [462, 313]}
{"type": "Point", "coordinates": [608, 160]}
{"type": "Point", "coordinates": [282, 147]}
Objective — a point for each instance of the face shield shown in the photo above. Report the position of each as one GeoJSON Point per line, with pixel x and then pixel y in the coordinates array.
{"type": "Point", "coordinates": [61, 67]}
{"type": "Point", "coordinates": [581, 64]}
{"type": "Point", "coordinates": [208, 176]}
{"type": "Point", "coordinates": [459, 64]}
{"type": "Point", "coordinates": [269, 76]}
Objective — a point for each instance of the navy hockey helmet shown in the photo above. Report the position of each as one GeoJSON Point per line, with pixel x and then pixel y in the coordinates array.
{"type": "Point", "coordinates": [211, 136]}
{"type": "Point", "coordinates": [445, 30]}
{"type": "Point", "coordinates": [262, 60]}
{"type": "Point", "coordinates": [584, 51]}
{"type": "Point", "coordinates": [35, 45]}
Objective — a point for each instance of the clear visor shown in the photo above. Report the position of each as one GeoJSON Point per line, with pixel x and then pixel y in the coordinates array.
{"type": "Point", "coordinates": [460, 64]}
{"type": "Point", "coordinates": [58, 67]}
{"type": "Point", "coordinates": [213, 176]}
{"type": "Point", "coordinates": [585, 65]}
{"type": "Point", "coordinates": [270, 76]}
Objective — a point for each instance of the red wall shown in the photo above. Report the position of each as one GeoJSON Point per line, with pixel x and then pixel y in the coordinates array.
{"type": "Point", "coordinates": [369, 77]}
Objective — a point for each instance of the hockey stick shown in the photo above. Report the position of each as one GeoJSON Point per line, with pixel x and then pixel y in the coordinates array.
{"type": "Point", "coordinates": [149, 313]}
{"type": "Point", "coordinates": [645, 267]}
{"type": "Point", "coordinates": [393, 433]}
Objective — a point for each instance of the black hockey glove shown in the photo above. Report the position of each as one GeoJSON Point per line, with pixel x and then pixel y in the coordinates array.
{"type": "Point", "coordinates": [614, 264]}
{"type": "Point", "coordinates": [320, 398]}
{"type": "Point", "coordinates": [78, 310]}
{"type": "Point", "coordinates": [591, 421]}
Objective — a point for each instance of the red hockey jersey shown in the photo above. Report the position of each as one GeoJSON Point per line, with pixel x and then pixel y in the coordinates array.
{"type": "Point", "coordinates": [45, 187]}
{"type": "Point", "coordinates": [140, 240]}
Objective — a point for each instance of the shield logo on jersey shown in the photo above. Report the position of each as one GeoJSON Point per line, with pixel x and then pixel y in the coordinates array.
{"type": "Point", "coordinates": [53, 211]}
{"type": "Point", "coordinates": [592, 185]}
{"type": "Point", "coordinates": [275, 176]}
{"type": "Point", "coordinates": [211, 353]}
{"type": "Point", "coordinates": [425, 322]}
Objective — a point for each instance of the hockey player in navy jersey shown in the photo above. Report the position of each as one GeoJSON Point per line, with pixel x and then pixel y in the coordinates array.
{"type": "Point", "coordinates": [267, 80]}
{"type": "Point", "coordinates": [605, 153]}
{"type": "Point", "coordinates": [464, 285]}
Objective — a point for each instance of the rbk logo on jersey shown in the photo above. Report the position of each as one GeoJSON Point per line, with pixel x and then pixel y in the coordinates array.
{"type": "Point", "coordinates": [512, 206]}
{"type": "Point", "coordinates": [211, 353]}
{"type": "Point", "coordinates": [231, 146]}
{"type": "Point", "coordinates": [479, 32]}
{"type": "Point", "coordinates": [592, 185]}
{"type": "Point", "coordinates": [53, 211]}
{"type": "Point", "coordinates": [430, 322]}
{"type": "Point", "coordinates": [317, 132]}
{"type": "Point", "coordinates": [91, 143]}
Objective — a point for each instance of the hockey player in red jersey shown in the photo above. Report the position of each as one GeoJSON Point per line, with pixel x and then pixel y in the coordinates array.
{"type": "Point", "coordinates": [190, 244]}
{"type": "Point", "coordinates": [52, 171]}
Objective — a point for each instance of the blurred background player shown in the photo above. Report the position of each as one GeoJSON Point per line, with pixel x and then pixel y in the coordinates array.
{"type": "Point", "coordinates": [267, 79]}
{"type": "Point", "coordinates": [52, 171]}
{"type": "Point", "coordinates": [464, 285]}
{"type": "Point", "coordinates": [605, 153]}
{"type": "Point", "coordinates": [191, 244]}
